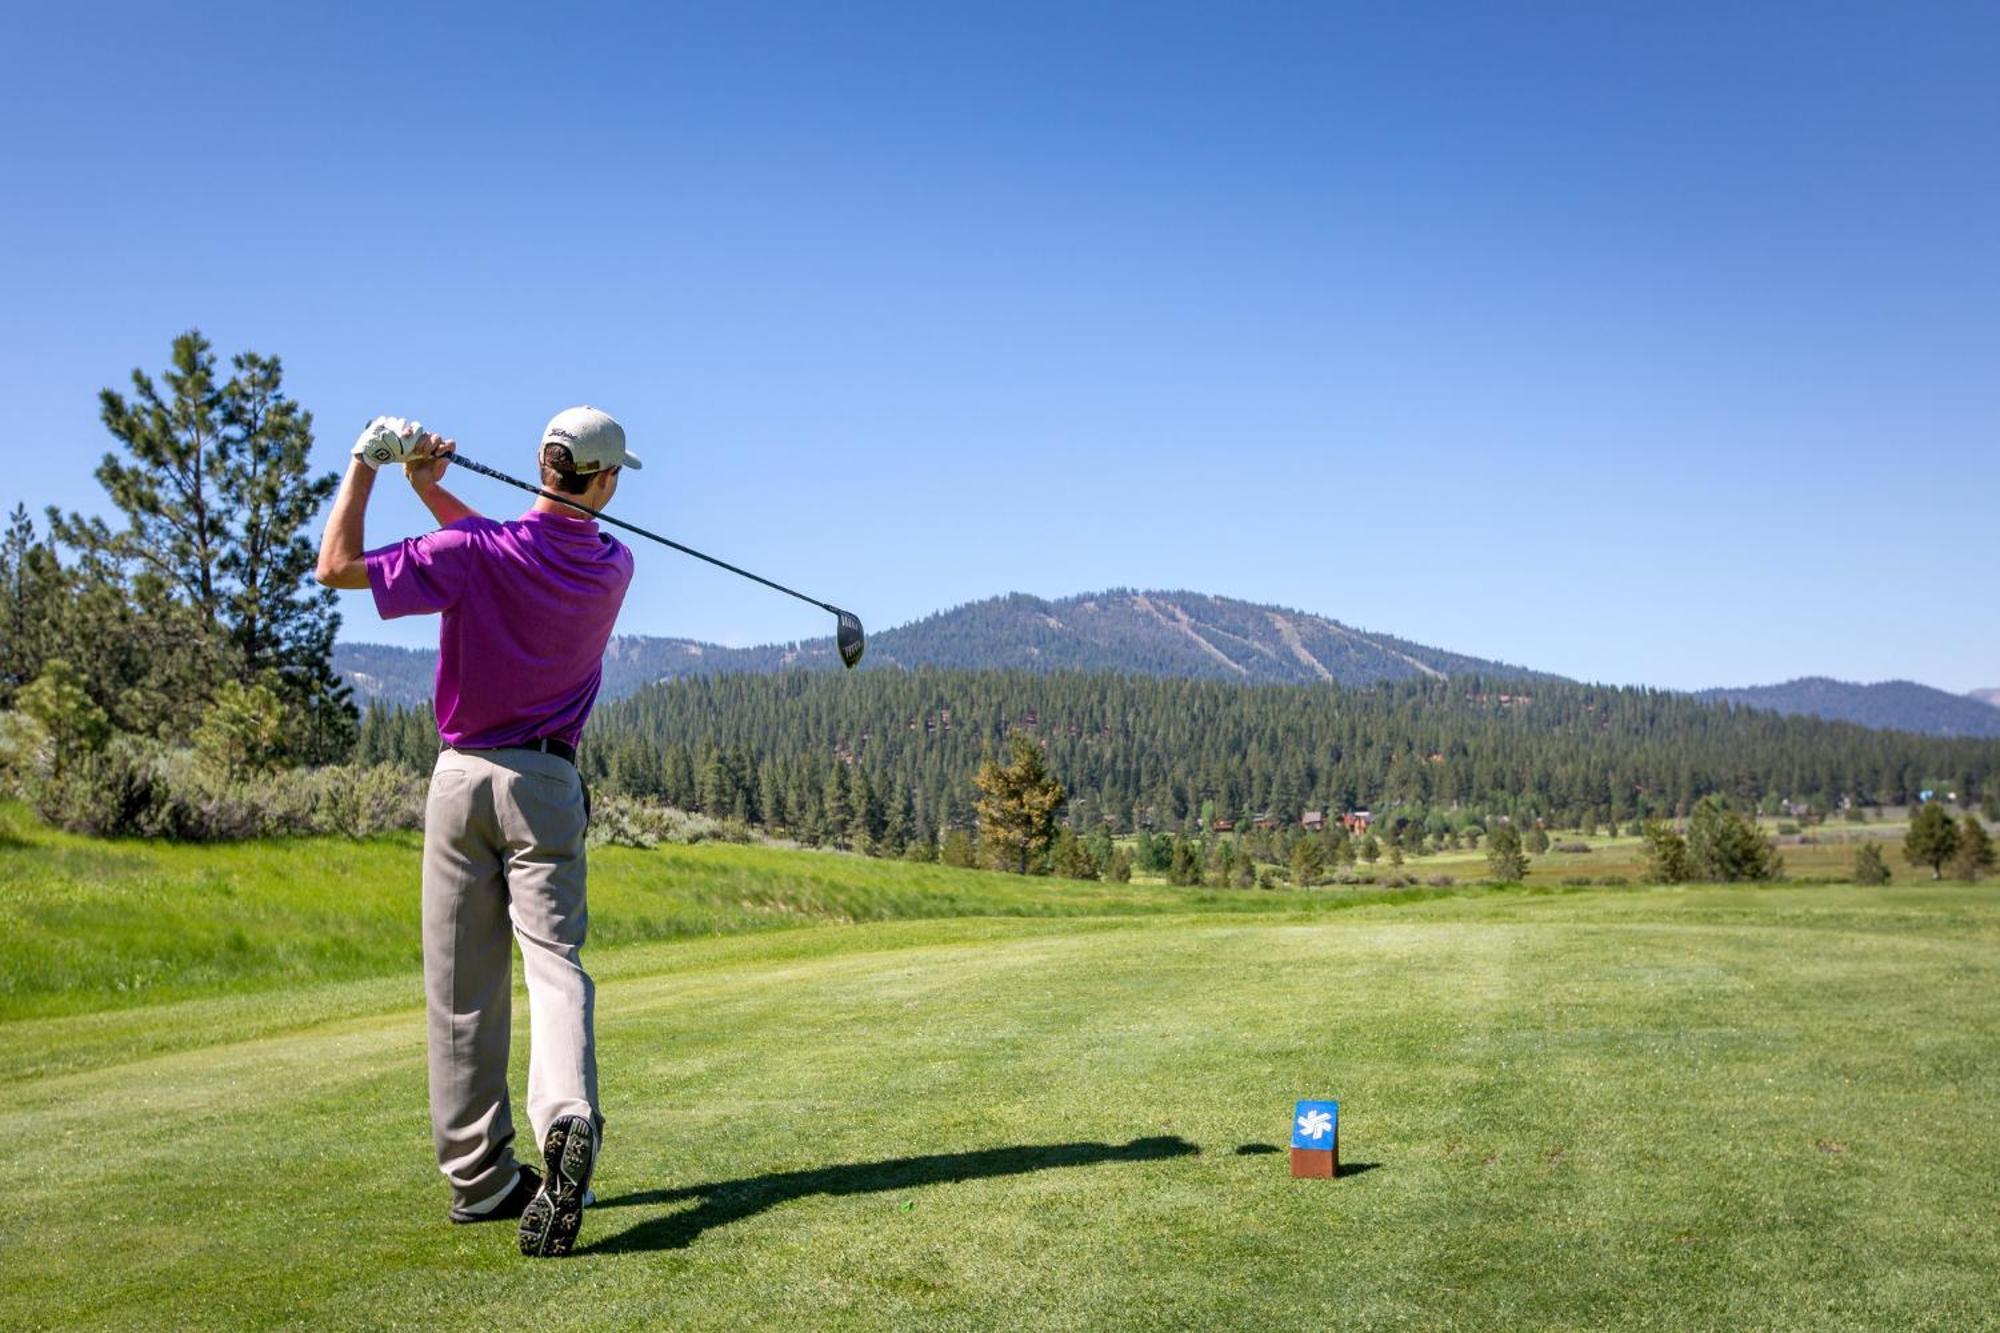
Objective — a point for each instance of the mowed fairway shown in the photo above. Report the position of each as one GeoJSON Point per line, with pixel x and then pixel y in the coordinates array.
{"type": "Point", "coordinates": [1768, 1107]}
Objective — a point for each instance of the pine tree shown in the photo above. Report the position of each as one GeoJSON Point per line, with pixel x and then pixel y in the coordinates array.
{"type": "Point", "coordinates": [1018, 804]}
{"type": "Point", "coordinates": [1071, 859]}
{"type": "Point", "coordinates": [1666, 854]}
{"type": "Point", "coordinates": [69, 718]}
{"type": "Point", "coordinates": [1725, 847]}
{"type": "Point", "coordinates": [1504, 854]}
{"type": "Point", "coordinates": [864, 814]}
{"type": "Point", "coordinates": [1932, 839]}
{"type": "Point", "coordinates": [1974, 854]}
{"type": "Point", "coordinates": [901, 824]}
{"type": "Point", "coordinates": [217, 495]}
{"type": "Point", "coordinates": [1308, 863]}
{"type": "Point", "coordinates": [1869, 866]}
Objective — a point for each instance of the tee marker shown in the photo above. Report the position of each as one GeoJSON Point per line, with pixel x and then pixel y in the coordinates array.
{"type": "Point", "coordinates": [1316, 1140]}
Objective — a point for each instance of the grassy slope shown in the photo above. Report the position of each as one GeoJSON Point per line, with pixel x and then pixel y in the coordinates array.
{"type": "Point", "coordinates": [1771, 1107]}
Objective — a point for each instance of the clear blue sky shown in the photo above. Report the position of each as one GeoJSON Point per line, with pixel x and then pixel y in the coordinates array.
{"type": "Point", "coordinates": [1647, 343]}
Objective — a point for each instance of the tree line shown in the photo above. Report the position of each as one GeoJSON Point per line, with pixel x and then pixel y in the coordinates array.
{"type": "Point", "coordinates": [830, 758]}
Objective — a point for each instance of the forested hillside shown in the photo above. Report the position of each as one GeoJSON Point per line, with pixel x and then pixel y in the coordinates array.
{"type": "Point", "coordinates": [1902, 704]}
{"type": "Point", "coordinates": [788, 750]}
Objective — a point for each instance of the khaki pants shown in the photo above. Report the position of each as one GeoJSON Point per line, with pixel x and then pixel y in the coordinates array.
{"type": "Point", "coordinates": [503, 862]}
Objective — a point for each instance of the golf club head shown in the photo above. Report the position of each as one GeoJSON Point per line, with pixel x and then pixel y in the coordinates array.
{"type": "Point", "coordinates": [850, 639]}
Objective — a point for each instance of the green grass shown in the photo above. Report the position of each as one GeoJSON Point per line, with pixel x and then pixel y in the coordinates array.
{"type": "Point", "coordinates": [1713, 1107]}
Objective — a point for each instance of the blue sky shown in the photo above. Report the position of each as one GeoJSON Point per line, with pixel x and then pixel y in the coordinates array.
{"type": "Point", "coordinates": [1640, 343]}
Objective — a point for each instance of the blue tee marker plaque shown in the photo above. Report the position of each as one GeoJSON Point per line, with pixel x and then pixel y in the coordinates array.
{"type": "Point", "coordinates": [1316, 1140]}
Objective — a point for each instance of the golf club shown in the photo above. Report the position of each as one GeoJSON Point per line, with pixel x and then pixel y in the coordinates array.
{"type": "Point", "coordinates": [848, 635]}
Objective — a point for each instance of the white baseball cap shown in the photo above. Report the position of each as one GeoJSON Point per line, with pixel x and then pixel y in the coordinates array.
{"type": "Point", "coordinates": [594, 439]}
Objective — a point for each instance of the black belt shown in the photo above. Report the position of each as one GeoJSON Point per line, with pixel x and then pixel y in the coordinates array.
{"type": "Point", "coordinates": [546, 744]}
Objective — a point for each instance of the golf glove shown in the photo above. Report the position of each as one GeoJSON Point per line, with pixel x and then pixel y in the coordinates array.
{"type": "Point", "coordinates": [387, 440]}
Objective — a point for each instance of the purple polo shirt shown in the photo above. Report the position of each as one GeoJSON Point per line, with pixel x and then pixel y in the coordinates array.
{"type": "Point", "coordinates": [528, 607]}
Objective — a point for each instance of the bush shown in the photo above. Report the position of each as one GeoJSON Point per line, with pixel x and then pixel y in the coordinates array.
{"type": "Point", "coordinates": [1573, 847]}
{"type": "Point", "coordinates": [1870, 867]}
{"type": "Point", "coordinates": [1441, 882]}
{"type": "Point", "coordinates": [1504, 856]}
{"type": "Point", "coordinates": [135, 789]}
{"type": "Point", "coordinates": [1613, 881]}
{"type": "Point", "coordinates": [1666, 854]}
{"type": "Point", "coordinates": [1724, 846]}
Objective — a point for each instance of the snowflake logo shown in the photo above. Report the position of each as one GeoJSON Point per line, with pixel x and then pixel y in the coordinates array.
{"type": "Point", "coordinates": [1315, 1124]}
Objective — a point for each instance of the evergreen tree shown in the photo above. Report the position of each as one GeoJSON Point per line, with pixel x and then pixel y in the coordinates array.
{"type": "Point", "coordinates": [958, 849]}
{"type": "Point", "coordinates": [901, 823]}
{"type": "Point", "coordinates": [1725, 847]}
{"type": "Point", "coordinates": [865, 821]}
{"type": "Point", "coordinates": [1071, 859]}
{"type": "Point", "coordinates": [1932, 839]}
{"type": "Point", "coordinates": [1120, 869]}
{"type": "Point", "coordinates": [30, 602]}
{"type": "Point", "coordinates": [1018, 804]}
{"type": "Point", "coordinates": [1974, 855]}
{"type": "Point", "coordinates": [1666, 854]}
{"type": "Point", "coordinates": [1308, 863]}
{"type": "Point", "coordinates": [70, 720]}
{"type": "Point", "coordinates": [835, 803]}
{"type": "Point", "coordinates": [217, 495]}
{"type": "Point", "coordinates": [241, 734]}
{"type": "Point", "coordinates": [1869, 866]}
{"type": "Point", "coordinates": [1504, 854]}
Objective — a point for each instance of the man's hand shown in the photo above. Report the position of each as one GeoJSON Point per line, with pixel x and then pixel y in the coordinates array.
{"type": "Point", "coordinates": [425, 468]}
{"type": "Point", "coordinates": [428, 459]}
{"type": "Point", "coordinates": [387, 440]}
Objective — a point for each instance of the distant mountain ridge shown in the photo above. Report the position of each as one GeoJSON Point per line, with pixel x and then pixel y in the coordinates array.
{"type": "Point", "coordinates": [1174, 634]}
{"type": "Point", "coordinates": [1180, 634]}
{"type": "Point", "coordinates": [1985, 696]}
{"type": "Point", "coordinates": [1901, 705]}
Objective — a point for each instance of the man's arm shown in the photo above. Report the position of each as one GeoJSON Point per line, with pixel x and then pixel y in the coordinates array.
{"type": "Point", "coordinates": [340, 546]}
{"type": "Point", "coordinates": [425, 473]}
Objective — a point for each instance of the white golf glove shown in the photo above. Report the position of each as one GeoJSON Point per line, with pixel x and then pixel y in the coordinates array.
{"type": "Point", "coordinates": [387, 440]}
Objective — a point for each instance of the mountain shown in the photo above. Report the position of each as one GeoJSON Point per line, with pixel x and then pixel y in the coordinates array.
{"type": "Point", "coordinates": [1900, 705]}
{"type": "Point", "coordinates": [1177, 634]}
{"type": "Point", "coordinates": [1169, 634]}
{"type": "Point", "coordinates": [1985, 696]}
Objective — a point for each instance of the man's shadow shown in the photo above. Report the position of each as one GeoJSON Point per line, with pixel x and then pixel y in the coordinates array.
{"type": "Point", "coordinates": [726, 1201]}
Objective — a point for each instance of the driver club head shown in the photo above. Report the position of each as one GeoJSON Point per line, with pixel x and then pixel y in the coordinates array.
{"type": "Point", "coordinates": [849, 638]}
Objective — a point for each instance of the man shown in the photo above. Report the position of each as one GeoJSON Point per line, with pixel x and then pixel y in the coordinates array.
{"type": "Point", "coordinates": [526, 608]}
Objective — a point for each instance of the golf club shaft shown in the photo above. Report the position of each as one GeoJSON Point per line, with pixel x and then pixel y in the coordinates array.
{"type": "Point", "coordinates": [460, 460]}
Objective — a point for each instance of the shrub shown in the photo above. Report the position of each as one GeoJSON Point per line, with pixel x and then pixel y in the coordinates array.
{"type": "Point", "coordinates": [1870, 866]}
{"type": "Point", "coordinates": [1504, 856]}
{"type": "Point", "coordinates": [134, 788]}
{"type": "Point", "coordinates": [1666, 854]}
{"type": "Point", "coordinates": [1724, 846]}
{"type": "Point", "coordinates": [1572, 847]}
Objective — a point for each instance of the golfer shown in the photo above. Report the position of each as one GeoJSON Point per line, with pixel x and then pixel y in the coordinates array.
{"type": "Point", "coordinates": [526, 608]}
